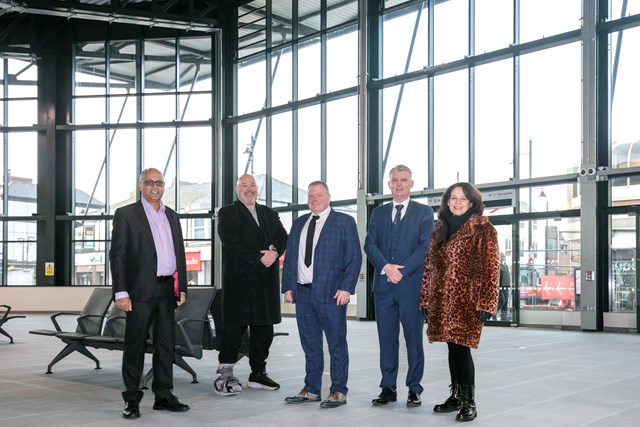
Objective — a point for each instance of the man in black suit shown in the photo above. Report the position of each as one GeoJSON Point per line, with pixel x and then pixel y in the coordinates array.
{"type": "Point", "coordinates": [147, 252]}
{"type": "Point", "coordinates": [252, 239]}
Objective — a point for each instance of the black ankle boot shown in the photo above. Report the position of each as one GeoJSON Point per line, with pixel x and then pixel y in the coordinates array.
{"type": "Point", "coordinates": [452, 403]}
{"type": "Point", "coordinates": [467, 410]}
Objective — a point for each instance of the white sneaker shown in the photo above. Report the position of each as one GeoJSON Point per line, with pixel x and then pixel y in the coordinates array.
{"type": "Point", "coordinates": [229, 386]}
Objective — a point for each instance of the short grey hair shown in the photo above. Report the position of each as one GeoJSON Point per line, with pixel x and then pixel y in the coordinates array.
{"type": "Point", "coordinates": [324, 184]}
{"type": "Point", "coordinates": [400, 168]}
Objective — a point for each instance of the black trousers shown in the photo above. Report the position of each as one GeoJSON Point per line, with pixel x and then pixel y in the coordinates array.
{"type": "Point", "coordinates": [461, 367]}
{"type": "Point", "coordinates": [260, 339]}
{"type": "Point", "coordinates": [159, 312]}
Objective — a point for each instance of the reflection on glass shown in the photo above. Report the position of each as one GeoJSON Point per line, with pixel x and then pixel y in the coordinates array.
{"type": "Point", "coordinates": [159, 65]}
{"type": "Point", "coordinates": [22, 175]}
{"type": "Point", "coordinates": [122, 168]}
{"type": "Point", "coordinates": [623, 264]}
{"type": "Point", "coordinates": [281, 160]}
{"type": "Point", "coordinates": [405, 131]}
{"type": "Point", "coordinates": [550, 111]}
{"type": "Point", "coordinates": [89, 252]}
{"type": "Point", "coordinates": [24, 76]}
{"type": "Point", "coordinates": [625, 126]}
{"type": "Point", "coordinates": [22, 112]}
{"type": "Point", "coordinates": [451, 32]}
{"type": "Point", "coordinates": [122, 67]}
{"type": "Point", "coordinates": [342, 148]}
{"type": "Point", "coordinates": [309, 153]}
{"type": "Point", "coordinates": [281, 69]}
{"type": "Point", "coordinates": [89, 171]}
{"type": "Point", "coordinates": [21, 250]}
{"type": "Point", "coordinates": [251, 85]}
{"type": "Point", "coordinates": [342, 59]}
{"type": "Point", "coordinates": [537, 22]}
{"type": "Point", "coordinates": [309, 69]}
{"type": "Point", "coordinates": [195, 170]}
{"type": "Point", "coordinates": [505, 312]}
{"type": "Point", "coordinates": [405, 40]}
{"type": "Point", "coordinates": [252, 147]}
{"type": "Point", "coordinates": [550, 255]}
{"type": "Point", "coordinates": [90, 71]}
{"type": "Point", "coordinates": [160, 152]}
{"type": "Point", "coordinates": [451, 129]}
{"type": "Point", "coordinates": [494, 122]}
{"type": "Point", "coordinates": [493, 25]}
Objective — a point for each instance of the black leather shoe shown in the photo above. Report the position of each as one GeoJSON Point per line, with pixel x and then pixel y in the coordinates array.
{"type": "Point", "coordinates": [387, 395]}
{"type": "Point", "coordinates": [131, 410]}
{"type": "Point", "coordinates": [413, 399]}
{"type": "Point", "coordinates": [171, 404]}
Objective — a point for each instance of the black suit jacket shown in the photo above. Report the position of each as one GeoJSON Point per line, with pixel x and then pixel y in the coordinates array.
{"type": "Point", "coordinates": [133, 255]}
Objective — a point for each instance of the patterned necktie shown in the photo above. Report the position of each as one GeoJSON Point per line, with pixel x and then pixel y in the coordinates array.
{"type": "Point", "coordinates": [396, 219]}
{"type": "Point", "coordinates": [308, 249]}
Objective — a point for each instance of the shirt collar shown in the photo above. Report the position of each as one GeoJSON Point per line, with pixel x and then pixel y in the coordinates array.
{"type": "Point", "coordinates": [324, 214]}
{"type": "Point", "coordinates": [147, 206]}
{"type": "Point", "coordinates": [404, 203]}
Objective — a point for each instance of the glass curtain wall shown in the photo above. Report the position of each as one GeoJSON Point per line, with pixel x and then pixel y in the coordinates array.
{"type": "Point", "coordinates": [624, 150]}
{"type": "Point", "coordinates": [297, 74]}
{"type": "Point", "coordinates": [297, 111]}
{"type": "Point", "coordinates": [141, 104]}
{"type": "Point", "coordinates": [462, 103]}
{"type": "Point", "coordinates": [18, 178]}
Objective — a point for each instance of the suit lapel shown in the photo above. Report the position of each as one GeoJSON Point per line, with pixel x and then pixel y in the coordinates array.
{"type": "Point", "coordinates": [245, 211]}
{"type": "Point", "coordinates": [327, 227]}
{"type": "Point", "coordinates": [296, 238]}
{"type": "Point", "coordinates": [142, 218]}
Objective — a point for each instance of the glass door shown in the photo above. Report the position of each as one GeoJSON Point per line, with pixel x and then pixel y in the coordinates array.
{"type": "Point", "coordinates": [623, 256]}
{"type": "Point", "coordinates": [506, 300]}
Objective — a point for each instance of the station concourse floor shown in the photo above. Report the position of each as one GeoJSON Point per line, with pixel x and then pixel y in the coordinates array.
{"type": "Point", "coordinates": [524, 377]}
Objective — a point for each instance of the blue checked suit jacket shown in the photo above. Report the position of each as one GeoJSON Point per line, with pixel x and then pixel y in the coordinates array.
{"type": "Point", "coordinates": [337, 257]}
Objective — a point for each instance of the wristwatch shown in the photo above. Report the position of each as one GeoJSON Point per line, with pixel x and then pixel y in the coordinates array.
{"type": "Point", "coordinates": [273, 248]}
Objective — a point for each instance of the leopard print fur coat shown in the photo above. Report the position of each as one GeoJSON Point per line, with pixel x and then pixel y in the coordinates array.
{"type": "Point", "coordinates": [461, 276]}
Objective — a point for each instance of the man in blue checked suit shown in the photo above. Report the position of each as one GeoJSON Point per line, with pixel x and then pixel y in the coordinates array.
{"type": "Point", "coordinates": [396, 245]}
{"type": "Point", "coordinates": [321, 268]}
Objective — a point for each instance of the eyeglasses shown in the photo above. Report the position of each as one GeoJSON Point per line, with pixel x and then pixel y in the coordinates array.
{"type": "Point", "coordinates": [150, 182]}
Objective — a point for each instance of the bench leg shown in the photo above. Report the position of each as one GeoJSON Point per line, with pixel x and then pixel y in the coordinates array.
{"type": "Point", "coordinates": [145, 380]}
{"type": "Point", "coordinates": [6, 334]}
{"type": "Point", "coordinates": [70, 348]}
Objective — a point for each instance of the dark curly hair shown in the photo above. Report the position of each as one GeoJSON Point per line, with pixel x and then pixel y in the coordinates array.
{"type": "Point", "coordinates": [470, 192]}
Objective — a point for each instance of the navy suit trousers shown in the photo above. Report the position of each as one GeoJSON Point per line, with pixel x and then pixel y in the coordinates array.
{"type": "Point", "coordinates": [315, 317]}
{"type": "Point", "coordinates": [392, 310]}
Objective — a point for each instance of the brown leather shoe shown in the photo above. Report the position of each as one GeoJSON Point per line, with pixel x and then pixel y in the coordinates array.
{"type": "Point", "coordinates": [303, 397]}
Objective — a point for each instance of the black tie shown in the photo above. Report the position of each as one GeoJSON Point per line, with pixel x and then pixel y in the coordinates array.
{"type": "Point", "coordinates": [308, 249]}
{"type": "Point", "coordinates": [396, 219]}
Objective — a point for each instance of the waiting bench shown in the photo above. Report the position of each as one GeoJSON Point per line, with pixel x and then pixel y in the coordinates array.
{"type": "Point", "coordinates": [193, 329]}
{"type": "Point", "coordinates": [5, 318]}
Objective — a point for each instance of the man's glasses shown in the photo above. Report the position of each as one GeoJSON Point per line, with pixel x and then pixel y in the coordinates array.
{"type": "Point", "coordinates": [150, 182]}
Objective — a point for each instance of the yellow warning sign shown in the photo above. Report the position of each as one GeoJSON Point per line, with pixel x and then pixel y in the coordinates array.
{"type": "Point", "coordinates": [48, 269]}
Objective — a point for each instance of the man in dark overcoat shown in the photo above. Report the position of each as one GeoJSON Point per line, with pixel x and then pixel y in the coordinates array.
{"type": "Point", "coordinates": [253, 239]}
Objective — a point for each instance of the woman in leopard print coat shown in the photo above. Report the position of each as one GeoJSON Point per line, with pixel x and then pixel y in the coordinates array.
{"type": "Point", "coordinates": [460, 288]}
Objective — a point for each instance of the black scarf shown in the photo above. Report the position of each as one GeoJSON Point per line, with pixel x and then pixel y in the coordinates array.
{"type": "Point", "coordinates": [451, 224]}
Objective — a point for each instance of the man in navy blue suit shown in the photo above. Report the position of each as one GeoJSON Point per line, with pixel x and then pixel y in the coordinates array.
{"type": "Point", "coordinates": [321, 269]}
{"type": "Point", "coordinates": [396, 245]}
